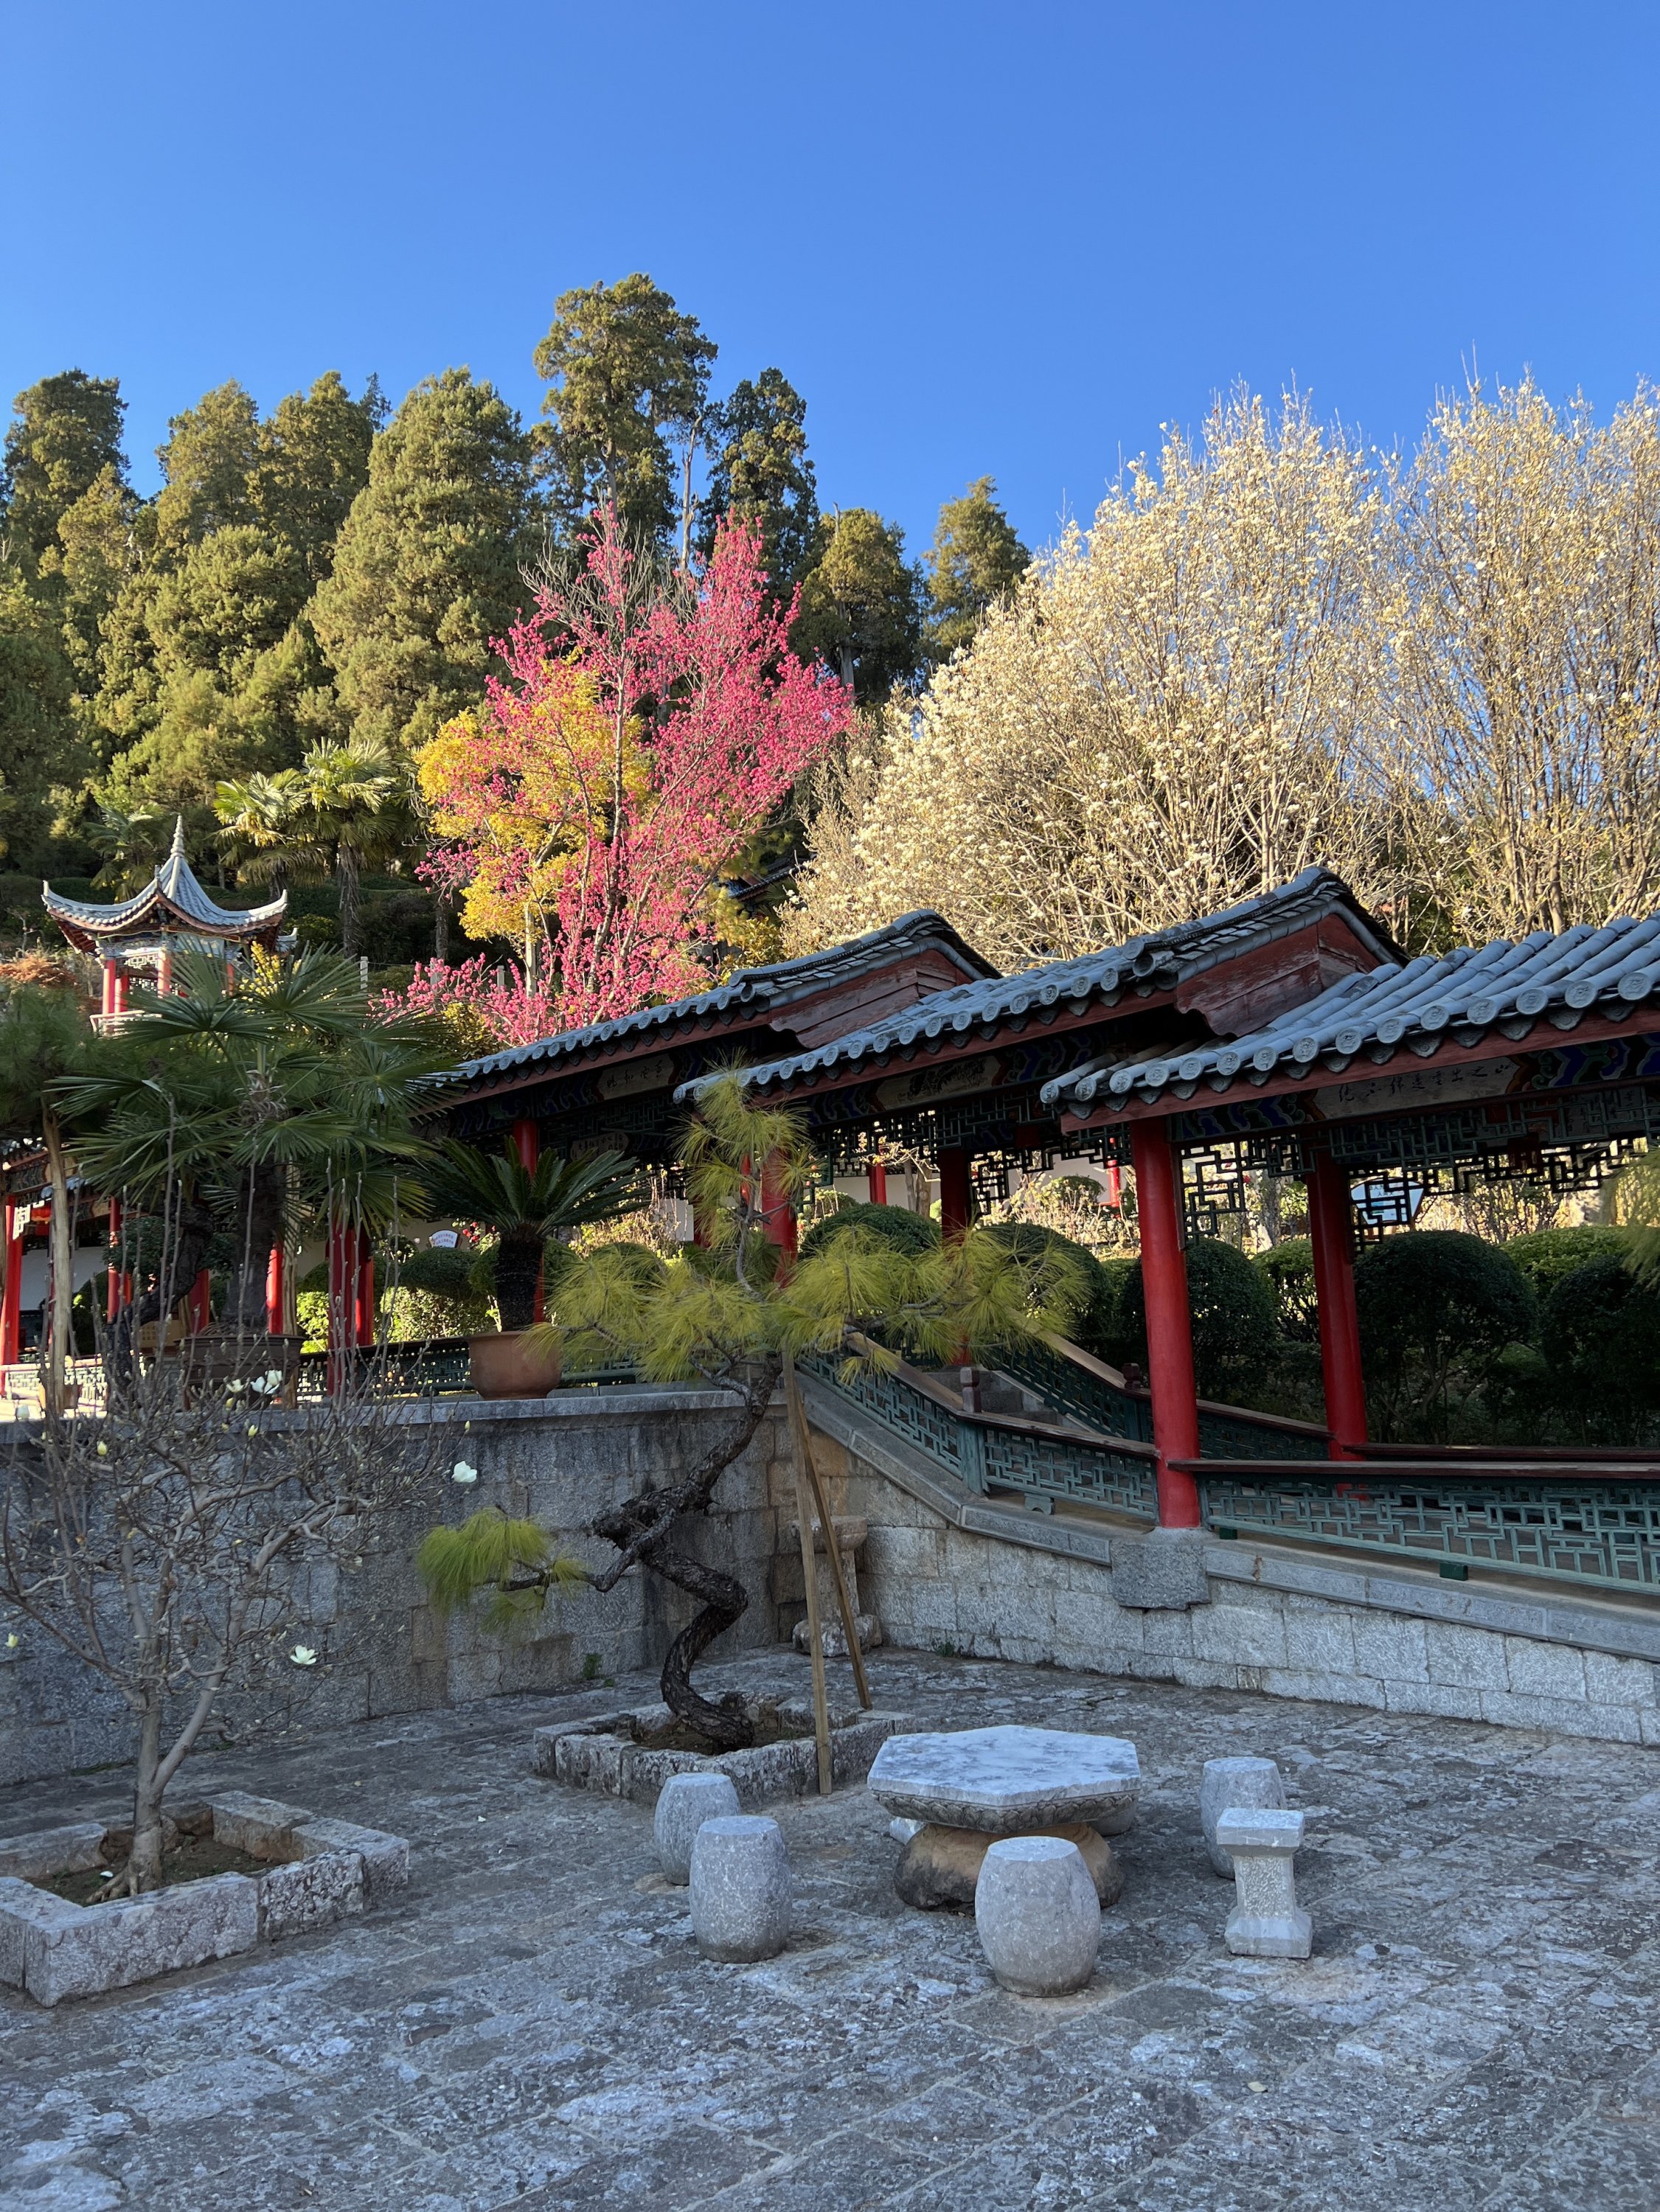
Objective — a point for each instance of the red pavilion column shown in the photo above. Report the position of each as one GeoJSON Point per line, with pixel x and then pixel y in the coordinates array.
{"type": "Point", "coordinates": [119, 1291]}
{"type": "Point", "coordinates": [106, 1002]}
{"type": "Point", "coordinates": [343, 1302]}
{"type": "Point", "coordinates": [1331, 1233]}
{"type": "Point", "coordinates": [11, 1300]}
{"type": "Point", "coordinates": [878, 1182]}
{"type": "Point", "coordinates": [276, 1290]}
{"type": "Point", "coordinates": [201, 1302]}
{"type": "Point", "coordinates": [1170, 1328]}
{"type": "Point", "coordinates": [778, 1223]}
{"type": "Point", "coordinates": [956, 1193]}
{"type": "Point", "coordinates": [363, 1290]}
{"type": "Point", "coordinates": [528, 1143]}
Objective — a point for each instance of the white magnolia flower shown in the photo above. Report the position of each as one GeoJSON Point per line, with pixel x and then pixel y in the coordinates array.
{"type": "Point", "coordinates": [232, 1388]}
{"type": "Point", "coordinates": [303, 1655]}
{"type": "Point", "coordinates": [265, 1384]}
{"type": "Point", "coordinates": [103, 1451]}
{"type": "Point", "coordinates": [463, 1474]}
{"type": "Point", "coordinates": [11, 1643]}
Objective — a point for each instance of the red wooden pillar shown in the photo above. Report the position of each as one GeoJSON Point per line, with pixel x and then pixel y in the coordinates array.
{"type": "Point", "coordinates": [106, 1001]}
{"type": "Point", "coordinates": [956, 1193]}
{"type": "Point", "coordinates": [112, 1293]}
{"type": "Point", "coordinates": [528, 1143]}
{"type": "Point", "coordinates": [276, 1290]}
{"type": "Point", "coordinates": [343, 1302]}
{"type": "Point", "coordinates": [363, 1289]}
{"type": "Point", "coordinates": [777, 1214]}
{"type": "Point", "coordinates": [878, 1182]}
{"type": "Point", "coordinates": [1331, 1233]}
{"type": "Point", "coordinates": [164, 970]}
{"type": "Point", "coordinates": [201, 1302]}
{"type": "Point", "coordinates": [11, 1301]}
{"type": "Point", "coordinates": [1170, 1328]}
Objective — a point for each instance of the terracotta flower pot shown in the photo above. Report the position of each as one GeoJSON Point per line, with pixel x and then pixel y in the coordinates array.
{"type": "Point", "coordinates": [515, 1363]}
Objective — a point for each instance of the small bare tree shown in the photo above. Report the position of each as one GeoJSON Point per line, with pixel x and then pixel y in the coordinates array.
{"type": "Point", "coordinates": [164, 1546]}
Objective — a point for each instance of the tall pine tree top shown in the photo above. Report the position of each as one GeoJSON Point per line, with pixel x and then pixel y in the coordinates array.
{"type": "Point", "coordinates": [427, 564]}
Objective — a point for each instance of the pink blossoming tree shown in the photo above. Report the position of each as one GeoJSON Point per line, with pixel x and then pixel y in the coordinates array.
{"type": "Point", "coordinates": [645, 732]}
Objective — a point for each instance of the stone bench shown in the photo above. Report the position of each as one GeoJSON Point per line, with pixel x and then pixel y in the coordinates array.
{"type": "Point", "coordinates": [1267, 1921]}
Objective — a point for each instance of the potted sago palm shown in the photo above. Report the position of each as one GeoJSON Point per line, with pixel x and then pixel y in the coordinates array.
{"type": "Point", "coordinates": [525, 1208]}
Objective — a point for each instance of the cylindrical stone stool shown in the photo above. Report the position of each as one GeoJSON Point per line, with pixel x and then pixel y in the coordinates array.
{"type": "Point", "coordinates": [740, 1888]}
{"type": "Point", "coordinates": [684, 1803]}
{"type": "Point", "coordinates": [1035, 1910]}
{"type": "Point", "coordinates": [1242, 1782]}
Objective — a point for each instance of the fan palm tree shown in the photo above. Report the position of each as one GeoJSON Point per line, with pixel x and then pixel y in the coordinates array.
{"type": "Point", "coordinates": [259, 815]}
{"type": "Point", "coordinates": [526, 1207]}
{"type": "Point", "coordinates": [352, 802]}
{"type": "Point", "coordinates": [239, 1111]}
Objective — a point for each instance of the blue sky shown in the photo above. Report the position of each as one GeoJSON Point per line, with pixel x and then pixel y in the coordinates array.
{"type": "Point", "coordinates": [1006, 239]}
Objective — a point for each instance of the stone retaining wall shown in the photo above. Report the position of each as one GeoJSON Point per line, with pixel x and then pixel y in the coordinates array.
{"type": "Point", "coordinates": [942, 1568]}
{"type": "Point", "coordinates": [382, 1649]}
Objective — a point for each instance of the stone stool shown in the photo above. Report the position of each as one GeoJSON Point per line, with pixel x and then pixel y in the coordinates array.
{"type": "Point", "coordinates": [1235, 1781]}
{"type": "Point", "coordinates": [1036, 1911]}
{"type": "Point", "coordinates": [740, 1888]}
{"type": "Point", "coordinates": [1266, 1921]}
{"type": "Point", "coordinates": [850, 1534]}
{"type": "Point", "coordinates": [684, 1803]}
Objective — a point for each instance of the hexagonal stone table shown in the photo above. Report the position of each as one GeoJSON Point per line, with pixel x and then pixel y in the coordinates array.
{"type": "Point", "coordinates": [971, 1787]}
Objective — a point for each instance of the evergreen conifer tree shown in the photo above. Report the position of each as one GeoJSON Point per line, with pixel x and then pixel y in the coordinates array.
{"type": "Point", "coordinates": [427, 565]}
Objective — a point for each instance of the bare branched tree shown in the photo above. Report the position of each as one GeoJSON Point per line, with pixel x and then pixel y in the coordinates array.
{"type": "Point", "coordinates": [165, 1546]}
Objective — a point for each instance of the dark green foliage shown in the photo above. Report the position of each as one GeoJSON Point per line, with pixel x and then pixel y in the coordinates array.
{"type": "Point", "coordinates": [427, 564]}
{"type": "Point", "coordinates": [906, 1231]}
{"type": "Point", "coordinates": [629, 374]}
{"type": "Point", "coordinates": [1600, 1335]}
{"type": "Point", "coordinates": [760, 473]}
{"type": "Point", "coordinates": [975, 561]}
{"type": "Point", "coordinates": [1094, 1326]}
{"type": "Point", "coordinates": [861, 604]}
{"type": "Point", "coordinates": [1437, 1308]}
{"type": "Point", "coordinates": [1234, 1340]}
{"type": "Point", "coordinates": [1288, 1268]}
{"type": "Point", "coordinates": [1549, 1254]}
{"type": "Point", "coordinates": [67, 431]}
{"type": "Point", "coordinates": [442, 1273]}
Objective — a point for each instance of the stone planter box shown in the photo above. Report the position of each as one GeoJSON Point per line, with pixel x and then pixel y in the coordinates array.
{"type": "Point", "coordinates": [321, 1870]}
{"type": "Point", "coordinates": [605, 1754]}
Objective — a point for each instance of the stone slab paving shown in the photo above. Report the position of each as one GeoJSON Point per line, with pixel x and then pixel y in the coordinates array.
{"type": "Point", "coordinates": [529, 2024]}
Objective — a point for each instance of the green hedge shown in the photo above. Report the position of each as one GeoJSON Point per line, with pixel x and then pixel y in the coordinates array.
{"type": "Point", "coordinates": [1437, 1309]}
{"type": "Point", "coordinates": [911, 1233]}
{"type": "Point", "coordinates": [1549, 1254]}
{"type": "Point", "coordinates": [1600, 1337]}
{"type": "Point", "coordinates": [1235, 1333]}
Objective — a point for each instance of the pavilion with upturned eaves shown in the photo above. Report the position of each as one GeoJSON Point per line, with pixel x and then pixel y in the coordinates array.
{"type": "Point", "coordinates": [140, 935]}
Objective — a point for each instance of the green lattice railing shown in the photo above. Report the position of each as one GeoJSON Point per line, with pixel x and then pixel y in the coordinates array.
{"type": "Point", "coordinates": [1602, 1531]}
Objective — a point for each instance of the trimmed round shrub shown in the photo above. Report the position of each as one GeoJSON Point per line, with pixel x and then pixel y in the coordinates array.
{"type": "Point", "coordinates": [1092, 1326]}
{"type": "Point", "coordinates": [441, 1274]}
{"type": "Point", "coordinates": [1437, 1308]}
{"type": "Point", "coordinates": [1600, 1335]}
{"type": "Point", "coordinates": [1549, 1256]}
{"type": "Point", "coordinates": [1234, 1317]}
{"type": "Point", "coordinates": [1287, 1267]}
{"type": "Point", "coordinates": [910, 1231]}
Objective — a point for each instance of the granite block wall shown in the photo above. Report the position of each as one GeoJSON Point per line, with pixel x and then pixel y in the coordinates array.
{"type": "Point", "coordinates": [382, 1649]}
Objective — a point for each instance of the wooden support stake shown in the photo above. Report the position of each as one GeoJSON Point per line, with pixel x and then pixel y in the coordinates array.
{"type": "Point", "coordinates": [804, 1451]}
{"type": "Point", "coordinates": [815, 1645]}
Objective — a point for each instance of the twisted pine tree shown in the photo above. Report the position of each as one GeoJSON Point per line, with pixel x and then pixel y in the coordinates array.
{"type": "Point", "coordinates": [728, 1315]}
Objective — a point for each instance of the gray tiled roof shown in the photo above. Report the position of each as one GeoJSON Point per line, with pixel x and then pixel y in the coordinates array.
{"type": "Point", "coordinates": [1157, 961]}
{"type": "Point", "coordinates": [1506, 987]}
{"type": "Point", "coordinates": [782, 984]}
{"type": "Point", "coordinates": [175, 881]}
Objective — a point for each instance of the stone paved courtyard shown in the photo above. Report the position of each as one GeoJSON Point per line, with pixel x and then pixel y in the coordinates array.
{"type": "Point", "coordinates": [531, 2026]}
